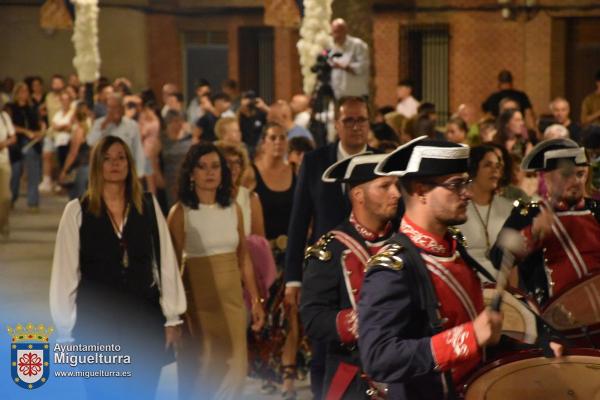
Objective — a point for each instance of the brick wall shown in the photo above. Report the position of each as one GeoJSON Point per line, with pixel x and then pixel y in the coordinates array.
{"type": "Point", "coordinates": [481, 44]}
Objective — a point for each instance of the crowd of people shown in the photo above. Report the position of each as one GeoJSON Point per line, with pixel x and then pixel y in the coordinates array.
{"type": "Point", "coordinates": [239, 198]}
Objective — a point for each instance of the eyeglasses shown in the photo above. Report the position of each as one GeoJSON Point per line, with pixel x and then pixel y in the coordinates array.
{"type": "Point", "coordinates": [273, 138]}
{"type": "Point", "coordinates": [352, 122]}
{"type": "Point", "coordinates": [457, 187]}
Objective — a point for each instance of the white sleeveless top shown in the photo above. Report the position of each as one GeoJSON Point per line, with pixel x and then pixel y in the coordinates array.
{"type": "Point", "coordinates": [210, 230]}
{"type": "Point", "coordinates": [243, 199]}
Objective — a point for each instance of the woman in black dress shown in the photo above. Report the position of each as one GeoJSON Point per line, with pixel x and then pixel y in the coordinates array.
{"type": "Point", "coordinates": [275, 184]}
{"type": "Point", "coordinates": [115, 278]}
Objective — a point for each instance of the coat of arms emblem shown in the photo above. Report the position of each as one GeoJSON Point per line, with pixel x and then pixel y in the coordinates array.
{"type": "Point", "coordinates": [30, 355]}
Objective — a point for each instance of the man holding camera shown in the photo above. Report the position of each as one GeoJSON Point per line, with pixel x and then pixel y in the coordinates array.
{"type": "Point", "coordinates": [350, 62]}
{"type": "Point", "coordinates": [253, 117]}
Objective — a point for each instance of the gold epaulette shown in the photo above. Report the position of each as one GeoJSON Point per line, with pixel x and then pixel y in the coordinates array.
{"type": "Point", "coordinates": [319, 249]}
{"type": "Point", "coordinates": [457, 235]}
{"type": "Point", "coordinates": [389, 258]}
{"type": "Point", "coordinates": [525, 206]}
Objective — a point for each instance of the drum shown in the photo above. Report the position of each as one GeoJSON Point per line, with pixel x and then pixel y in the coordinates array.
{"type": "Point", "coordinates": [530, 375]}
{"type": "Point", "coordinates": [575, 311]}
{"type": "Point", "coordinates": [518, 309]}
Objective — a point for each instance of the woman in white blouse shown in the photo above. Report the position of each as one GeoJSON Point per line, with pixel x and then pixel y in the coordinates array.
{"type": "Point", "coordinates": [207, 230]}
{"type": "Point", "coordinates": [486, 211]}
{"type": "Point", "coordinates": [115, 278]}
{"type": "Point", "coordinates": [7, 138]}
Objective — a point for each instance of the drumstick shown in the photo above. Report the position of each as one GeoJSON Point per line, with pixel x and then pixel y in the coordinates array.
{"type": "Point", "coordinates": [510, 241]}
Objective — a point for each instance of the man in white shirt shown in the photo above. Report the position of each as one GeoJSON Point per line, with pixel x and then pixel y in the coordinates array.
{"type": "Point", "coordinates": [195, 110]}
{"type": "Point", "coordinates": [116, 124]}
{"type": "Point", "coordinates": [407, 104]}
{"type": "Point", "coordinates": [350, 74]}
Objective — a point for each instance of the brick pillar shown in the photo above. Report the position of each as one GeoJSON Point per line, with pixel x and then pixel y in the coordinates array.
{"type": "Point", "coordinates": [287, 64]}
{"type": "Point", "coordinates": [386, 48]}
{"type": "Point", "coordinates": [164, 52]}
{"type": "Point", "coordinates": [232, 41]}
{"type": "Point", "coordinates": [538, 61]}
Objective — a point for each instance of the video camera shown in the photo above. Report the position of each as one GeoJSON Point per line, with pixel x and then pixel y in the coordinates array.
{"type": "Point", "coordinates": [323, 66]}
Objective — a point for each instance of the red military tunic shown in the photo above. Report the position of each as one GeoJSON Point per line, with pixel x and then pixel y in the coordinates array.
{"type": "Point", "coordinates": [459, 293]}
{"type": "Point", "coordinates": [353, 261]}
{"type": "Point", "coordinates": [571, 250]}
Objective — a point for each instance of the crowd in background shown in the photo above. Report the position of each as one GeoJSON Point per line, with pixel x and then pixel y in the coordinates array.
{"type": "Point", "coordinates": [255, 150]}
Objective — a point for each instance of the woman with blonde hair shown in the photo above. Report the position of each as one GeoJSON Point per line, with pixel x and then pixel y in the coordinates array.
{"type": "Point", "coordinates": [239, 163]}
{"type": "Point", "coordinates": [208, 233]}
{"type": "Point", "coordinates": [275, 184]}
{"type": "Point", "coordinates": [227, 129]}
{"type": "Point", "coordinates": [115, 277]}
{"type": "Point", "coordinates": [75, 170]}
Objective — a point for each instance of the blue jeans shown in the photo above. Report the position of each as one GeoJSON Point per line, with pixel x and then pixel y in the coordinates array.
{"type": "Point", "coordinates": [32, 162]}
{"type": "Point", "coordinates": [81, 181]}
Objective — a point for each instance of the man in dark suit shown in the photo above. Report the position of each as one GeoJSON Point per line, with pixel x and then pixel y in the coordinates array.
{"type": "Point", "coordinates": [325, 204]}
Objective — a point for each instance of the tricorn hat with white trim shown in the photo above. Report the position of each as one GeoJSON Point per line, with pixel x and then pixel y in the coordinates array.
{"type": "Point", "coordinates": [356, 169]}
{"type": "Point", "coordinates": [546, 155]}
{"type": "Point", "coordinates": [425, 157]}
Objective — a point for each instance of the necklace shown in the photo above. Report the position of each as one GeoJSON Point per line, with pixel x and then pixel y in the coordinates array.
{"type": "Point", "coordinates": [119, 232]}
{"type": "Point", "coordinates": [485, 225]}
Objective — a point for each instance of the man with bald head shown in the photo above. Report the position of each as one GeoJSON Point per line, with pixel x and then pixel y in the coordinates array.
{"type": "Point", "coordinates": [280, 113]}
{"type": "Point", "coordinates": [560, 111]}
{"type": "Point", "coordinates": [115, 123]}
{"type": "Point", "coordinates": [350, 75]}
{"type": "Point", "coordinates": [300, 105]}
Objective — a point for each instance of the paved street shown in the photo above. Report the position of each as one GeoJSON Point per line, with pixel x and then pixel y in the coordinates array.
{"type": "Point", "coordinates": [25, 264]}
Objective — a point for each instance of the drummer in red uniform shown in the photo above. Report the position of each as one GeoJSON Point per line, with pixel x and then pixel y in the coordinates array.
{"type": "Point", "coordinates": [560, 240]}
{"type": "Point", "coordinates": [335, 267]}
{"type": "Point", "coordinates": [561, 233]}
{"type": "Point", "coordinates": [423, 326]}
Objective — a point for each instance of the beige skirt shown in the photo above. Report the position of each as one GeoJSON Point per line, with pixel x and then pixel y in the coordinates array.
{"type": "Point", "coordinates": [212, 360]}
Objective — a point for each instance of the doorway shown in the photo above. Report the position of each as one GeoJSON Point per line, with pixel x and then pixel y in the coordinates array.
{"type": "Point", "coordinates": [256, 61]}
{"type": "Point", "coordinates": [206, 57]}
{"type": "Point", "coordinates": [582, 60]}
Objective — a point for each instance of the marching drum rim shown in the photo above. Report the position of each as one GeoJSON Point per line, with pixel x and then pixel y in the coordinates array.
{"type": "Point", "coordinates": [567, 288]}
{"type": "Point", "coordinates": [521, 355]}
{"type": "Point", "coordinates": [557, 297]}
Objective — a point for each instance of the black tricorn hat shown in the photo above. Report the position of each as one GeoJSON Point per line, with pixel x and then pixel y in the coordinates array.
{"type": "Point", "coordinates": [356, 169]}
{"type": "Point", "coordinates": [547, 155]}
{"type": "Point", "coordinates": [425, 157]}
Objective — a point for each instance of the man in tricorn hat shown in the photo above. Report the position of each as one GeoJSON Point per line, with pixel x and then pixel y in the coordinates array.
{"type": "Point", "coordinates": [423, 327]}
{"type": "Point", "coordinates": [561, 233]}
{"type": "Point", "coordinates": [335, 268]}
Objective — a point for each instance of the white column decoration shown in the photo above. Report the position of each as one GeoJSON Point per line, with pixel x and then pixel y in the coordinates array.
{"type": "Point", "coordinates": [85, 40]}
{"type": "Point", "coordinates": [314, 37]}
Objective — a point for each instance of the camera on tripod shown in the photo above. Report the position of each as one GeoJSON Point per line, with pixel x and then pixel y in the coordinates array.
{"type": "Point", "coordinates": [323, 66]}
